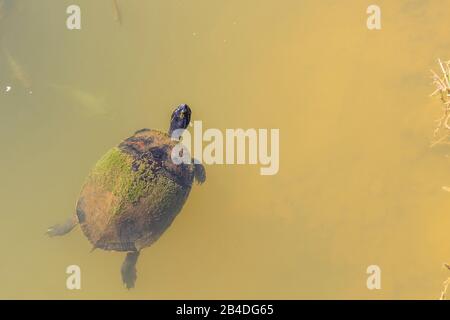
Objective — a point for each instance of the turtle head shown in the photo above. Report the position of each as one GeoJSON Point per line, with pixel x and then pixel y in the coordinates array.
{"type": "Point", "coordinates": [181, 117]}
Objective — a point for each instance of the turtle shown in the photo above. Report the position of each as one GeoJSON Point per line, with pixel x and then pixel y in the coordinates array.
{"type": "Point", "coordinates": [134, 192]}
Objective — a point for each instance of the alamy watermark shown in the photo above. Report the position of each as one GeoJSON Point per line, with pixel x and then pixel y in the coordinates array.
{"type": "Point", "coordinates": [73, 21]}
{"type": "Point", "coordinates": [374, 18]}
{"type": "Point", "coordinates": [236, 146]}
{"type": "Point", "coordinates": [73, 281]}
{"type": "Point", "coordinates": [374, 278]}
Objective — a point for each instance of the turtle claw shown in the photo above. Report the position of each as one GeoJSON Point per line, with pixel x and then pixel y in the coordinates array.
{"type": "Point", "coordinates": [51, 231]}
{"type": "Point", "coordinates": [56, 230]}
{"type": "Point", "coordinates": [129, 280]}
{"type": "Point", "coordinates": [62, 229]}
{"type": "Point", "coordinates": [199, 173]}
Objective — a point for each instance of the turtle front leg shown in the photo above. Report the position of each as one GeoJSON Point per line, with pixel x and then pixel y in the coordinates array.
{"type": "Point", "coordinates": [128, 269]}
{"type": "Point", "coordinates": [63, 228]}
{"type": "Point", "coordinates": [199, 172]}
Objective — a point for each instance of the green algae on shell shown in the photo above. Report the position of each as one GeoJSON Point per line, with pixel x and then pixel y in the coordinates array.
{"type": "Point", "coordinates": [114, 173]}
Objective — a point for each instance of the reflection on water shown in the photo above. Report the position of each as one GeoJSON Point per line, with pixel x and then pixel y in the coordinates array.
{"type": "Point", "coordinates": [358, 182]}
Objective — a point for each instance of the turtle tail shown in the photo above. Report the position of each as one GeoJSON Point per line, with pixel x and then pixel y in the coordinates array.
{"type": "Point", "coordinates": [128, 269]}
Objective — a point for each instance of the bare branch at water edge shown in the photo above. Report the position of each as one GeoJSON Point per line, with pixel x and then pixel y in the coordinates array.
{"type": "Point", "coordinates": [442, 85]}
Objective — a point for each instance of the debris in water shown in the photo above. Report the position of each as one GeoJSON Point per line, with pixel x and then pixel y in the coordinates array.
{"type": "Point", "coordinates": [444, 291]}
{"type": "Point", "coordinates": [17, 71]}
{"type": "Point", "coordinates": [88, 101]}
{"type": "Point", "coordinates": [445, 284]}
{"type": "Point", "coordinates": [117, 15]}
{"type": "Point", "coordinates": [442, 83]}
{"type": "Point", "coordinates": [2, 9]}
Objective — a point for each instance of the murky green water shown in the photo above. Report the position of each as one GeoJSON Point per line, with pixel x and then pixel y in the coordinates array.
{"type": "Point", "coordinates": [358, 183]}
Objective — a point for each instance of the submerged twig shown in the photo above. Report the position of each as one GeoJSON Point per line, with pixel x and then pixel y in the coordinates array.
{"type": "Point", "coordinates": [445, 284]}
{"type": "Point", "coordinates": [117, 15]}
{"type": "Point", "coordinates": [17, 71]}
{"type": "Point", "coordinates": [444, 290]}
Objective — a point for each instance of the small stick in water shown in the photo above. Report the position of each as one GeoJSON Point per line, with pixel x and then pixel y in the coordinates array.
{"type": "Point", "coordinates": [17, 71]}
{"type": "Point", "coordinates": [2, 9]}
{"type": "Point", "coordinates": [117, 15]}
{"type": "Point", "coordinates": [444, 290]}
{"type": "Point", "coordinates": [442, 89]}
{"type": "Point", "coordinates": [445, 284]}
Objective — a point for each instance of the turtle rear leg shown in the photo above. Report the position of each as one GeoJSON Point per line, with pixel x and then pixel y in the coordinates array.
{"type": "Point", "coordinates": [63, 228]}
{"type": "Point", "coordinates": [128, 269]}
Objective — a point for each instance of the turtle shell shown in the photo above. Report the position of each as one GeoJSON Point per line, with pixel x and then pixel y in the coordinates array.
{"type": "Point", "coordinates": [133, 193]}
